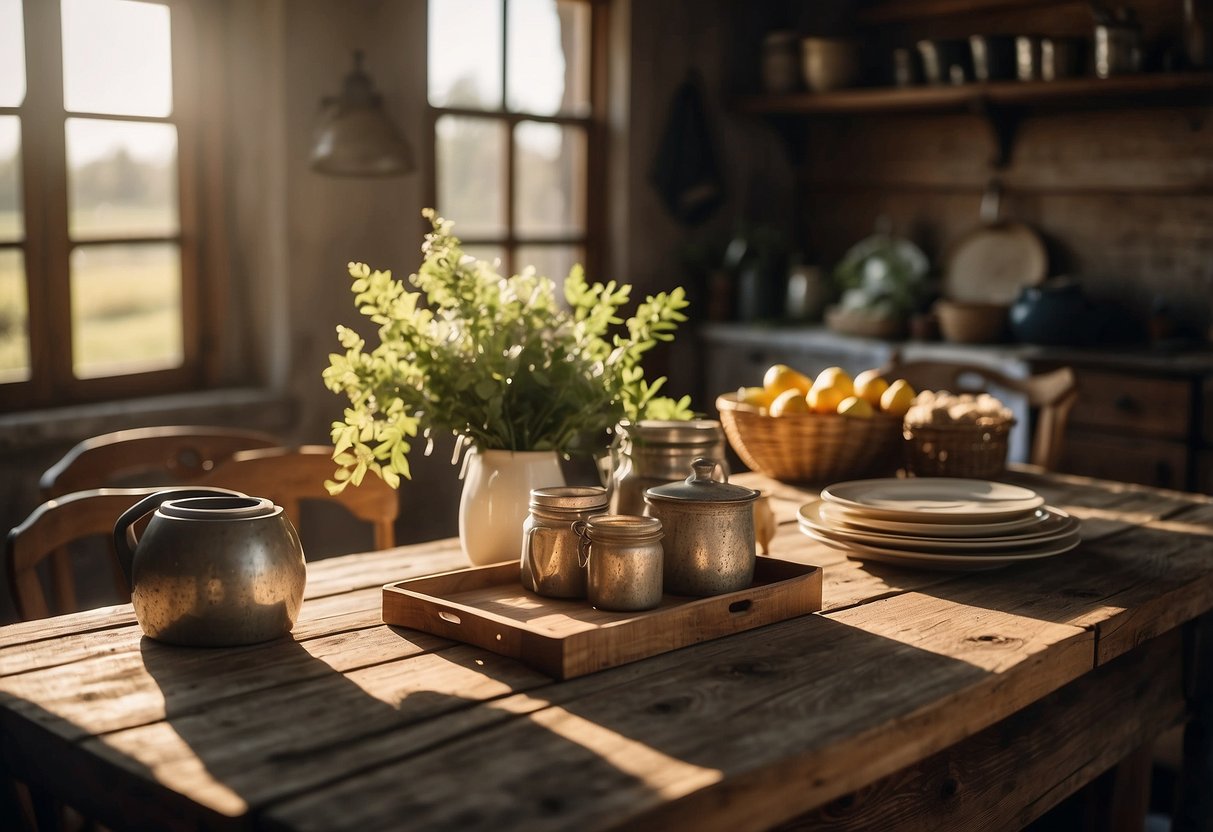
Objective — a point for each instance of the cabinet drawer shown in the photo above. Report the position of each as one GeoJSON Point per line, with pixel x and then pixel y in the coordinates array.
{"type": "Point", "coordinates": [1148, 462]}
{"type": "Point", "coordinates": [1133, 404]}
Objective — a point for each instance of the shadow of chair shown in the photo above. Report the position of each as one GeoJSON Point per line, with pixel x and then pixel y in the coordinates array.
{"type": "Point", "coordinates": [1049, 396]}
{"type": "Point", "coordinates": [291, 476]}
{"type": "Point", "coordinates": [163, 455]}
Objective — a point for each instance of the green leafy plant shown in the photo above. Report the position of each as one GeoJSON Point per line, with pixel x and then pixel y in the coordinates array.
{"type": "Point", "coordinates": [498, 361]}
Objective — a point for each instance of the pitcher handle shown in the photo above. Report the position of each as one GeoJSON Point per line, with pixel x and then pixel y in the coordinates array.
{"type": "Point", "coordinates": [124, 532]}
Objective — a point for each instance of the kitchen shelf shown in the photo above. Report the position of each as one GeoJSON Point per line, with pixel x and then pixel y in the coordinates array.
{"type": "Point", "coordinates": [1171, 87]}
{"type": "Point", "coordinates": [1003, 103]}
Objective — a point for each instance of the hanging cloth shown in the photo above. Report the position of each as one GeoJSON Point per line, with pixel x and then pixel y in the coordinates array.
{"type": "Point", "coordinates": [685, 173]}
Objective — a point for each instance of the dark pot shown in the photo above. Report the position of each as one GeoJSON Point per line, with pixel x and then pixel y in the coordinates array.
{"type": "Point", "coordinates": [1054, 314]}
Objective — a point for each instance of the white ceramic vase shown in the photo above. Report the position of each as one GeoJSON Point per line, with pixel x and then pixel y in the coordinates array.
{"type": "Point", "coordinates": [496, 500]}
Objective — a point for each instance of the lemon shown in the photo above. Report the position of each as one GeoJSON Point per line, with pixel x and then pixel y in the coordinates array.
{"type": "Point", "coordinates": [898, 398]}
{"type": "Point", "coordinates": [781, 377]}
{"type": "Point", "coordinates": [831, 386]}
{"type": "Point", "coordinates": [825, 399]}
{"type": "Point", "coordinates": [788, 402]}
{"type": "Point", "coordinates": [870, 386]}
{"type": "Point", "coordinates": [856, 407]}
{"type": "Point", "coordinates": [754, 396]}
{"type": "Point", "coordinates": [837, 378]}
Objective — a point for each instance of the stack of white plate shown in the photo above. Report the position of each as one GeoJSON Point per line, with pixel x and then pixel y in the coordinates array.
{"type": "Point", "coordinates": [939, 523]}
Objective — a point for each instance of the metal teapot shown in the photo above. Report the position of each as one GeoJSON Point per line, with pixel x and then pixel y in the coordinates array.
{"type": "Point", "coordinates": [214, 568]}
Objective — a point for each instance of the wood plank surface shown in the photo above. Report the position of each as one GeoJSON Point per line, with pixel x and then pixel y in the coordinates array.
{"type": "Point", "coordinates": [351, 724]}
{"type": "Point", "coordinates": [1008, 775]}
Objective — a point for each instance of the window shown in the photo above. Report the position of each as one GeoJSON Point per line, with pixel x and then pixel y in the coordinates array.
{"type": "Point", "coordinates": [515, 96]}
{"type": "Point", "coordinates": [98, 221]}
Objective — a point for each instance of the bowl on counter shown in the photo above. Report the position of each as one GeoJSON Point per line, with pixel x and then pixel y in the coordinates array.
{"type": "Point", "coordinates": [966, 322]}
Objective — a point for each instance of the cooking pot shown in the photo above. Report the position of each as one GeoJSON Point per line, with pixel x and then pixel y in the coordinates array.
{"type": "Point", "coordinates": [709, 532]}
{"type": "Point", "coordinates": [1056, 313]}
{"type": "Point", "coordinates": [214, 568]}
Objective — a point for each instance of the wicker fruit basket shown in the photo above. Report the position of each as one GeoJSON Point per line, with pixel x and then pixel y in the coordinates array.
{"type": "Point", "coordinates": [811, 447]}
{"type": "Point", "coordinates": [956, 450]}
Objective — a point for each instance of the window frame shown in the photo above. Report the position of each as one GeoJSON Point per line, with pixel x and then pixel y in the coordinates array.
{"type": "Point", "coordinates": [592, 240]}
{"type": "Point", "coordinates": [46, 241]}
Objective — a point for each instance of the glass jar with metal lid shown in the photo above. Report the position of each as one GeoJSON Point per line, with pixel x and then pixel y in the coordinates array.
{"type": "Point", "coordinates": [623, 556]}
{"type": "Point", "coordinates": [550, 564]}
{"type": "Point", "coordinates": [655, 452]}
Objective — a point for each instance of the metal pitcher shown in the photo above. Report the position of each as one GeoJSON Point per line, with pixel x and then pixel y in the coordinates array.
{"type": "Point", "coordinates": [214, 568]}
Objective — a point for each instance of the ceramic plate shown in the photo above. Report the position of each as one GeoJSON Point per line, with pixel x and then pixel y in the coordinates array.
{"type": "Point", "coordinates": [934, 499]}
{"type": "Point", "coordinates": [1054, 525]}
{"type": "Point", "coordinates": [991, 264]}
{"type": "Point", "coordinates": [839, 517]}
{"type": "Point", "coordinates": [944, 560]}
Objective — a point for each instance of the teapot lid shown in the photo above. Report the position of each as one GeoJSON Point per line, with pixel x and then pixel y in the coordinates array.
{"type": "Point", "coordinates": [701, 488]}
{"type": "Point", "coordinates": [217, 508]}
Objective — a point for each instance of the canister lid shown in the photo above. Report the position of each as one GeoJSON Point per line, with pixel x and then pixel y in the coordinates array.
{"type": "Point", "coordinates": [570, 497]}
{"type": "Point", "coordinates": [674, 431]}
{"type": "Point", "coordinates": [701, 488]}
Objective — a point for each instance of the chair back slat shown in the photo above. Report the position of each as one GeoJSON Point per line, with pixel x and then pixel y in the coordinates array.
{"type": "Point", "coordinates": [174, 454]}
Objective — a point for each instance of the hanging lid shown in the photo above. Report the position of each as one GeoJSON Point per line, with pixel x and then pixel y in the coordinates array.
{"type": "Point", "coordinates": [701, 488]}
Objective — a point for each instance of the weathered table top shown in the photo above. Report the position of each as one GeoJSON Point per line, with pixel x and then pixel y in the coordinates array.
{"type": "Point", "coordinates": [352, 724]}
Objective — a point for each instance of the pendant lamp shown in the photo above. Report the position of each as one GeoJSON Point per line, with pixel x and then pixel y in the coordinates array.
{"type": "Point", "coordinates": [355, 136]}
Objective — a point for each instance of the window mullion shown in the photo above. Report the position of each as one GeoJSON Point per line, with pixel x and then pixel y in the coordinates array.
{"type": "Point", "coordinates": [510, 172]}
{"type": "Point", "coordinates": [44, 153]}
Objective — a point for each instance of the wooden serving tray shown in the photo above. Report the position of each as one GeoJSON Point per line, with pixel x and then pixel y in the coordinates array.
{"type": "Point", "coordinates": [488, 607]}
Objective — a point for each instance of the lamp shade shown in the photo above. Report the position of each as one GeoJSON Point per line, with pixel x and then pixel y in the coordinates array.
{"type": "Point", "coordinates": [355, 137]}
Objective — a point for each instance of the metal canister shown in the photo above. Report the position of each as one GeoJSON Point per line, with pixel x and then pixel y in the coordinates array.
{"type": "Point", "coordinates": [709, 532]}
{"type": "Point", "coordinates": [623, 555]}
{"type": "Point", "coordinates": [655, 452]}
{"type": "Point", "coordinates": [550, 560]}
{"type": "Point", "coordinates": [1118, 44]}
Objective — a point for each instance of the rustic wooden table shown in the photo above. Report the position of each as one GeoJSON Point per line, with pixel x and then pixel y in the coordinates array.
{"type": "Point", "coordinates": [929, 699]}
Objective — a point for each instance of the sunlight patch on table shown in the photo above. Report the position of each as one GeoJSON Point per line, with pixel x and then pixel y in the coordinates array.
{"type": "Point", "coordinates": [667, 776]}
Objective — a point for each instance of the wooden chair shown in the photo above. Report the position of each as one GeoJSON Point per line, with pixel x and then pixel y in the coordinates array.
{"type": "Point", "coordinates": [171, 454]}
{"type": "Point", "coordinates": [289, 476]}
{"type": "Point", "coordinates": [1050, 395]}
{"type": "Point", "coordinates": [49, 529]}
{"type": "Point", "coordinates": [163, 455]}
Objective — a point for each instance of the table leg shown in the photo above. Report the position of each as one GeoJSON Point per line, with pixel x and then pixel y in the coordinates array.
{"type": "Point", "coordinates": [1194, 811]}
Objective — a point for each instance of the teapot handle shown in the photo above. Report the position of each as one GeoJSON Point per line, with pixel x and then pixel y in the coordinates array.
{"type": "Point", "coordinates": [124, 533]}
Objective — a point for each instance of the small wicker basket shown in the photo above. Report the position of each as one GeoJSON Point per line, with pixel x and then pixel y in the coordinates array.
{"type": "Point", "coordinates": [810, 447]}
{"type": "Point", "coordinates": [978, 451]}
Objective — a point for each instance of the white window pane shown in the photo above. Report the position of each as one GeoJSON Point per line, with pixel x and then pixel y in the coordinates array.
{"type": "Point", "coordinates": [122, 178]}
{"type": "Point", "coordinates": [470, 155]}
{"type": "Point", "coordinates": [548, 67]}
{"type": "Point", "coordinates": [551, 178]}
{"type": "Point", "coordinates": [11, 225]}
{"type": "Point", "coordinates": [14, 317]}
{"type": "Point", "coordinates": [465, 53]}
{"type": "Point", "coordinates": [126, 309]}
{"type": "Point", "coordinates": [117, 58]}
{"type": "Point", "coordinates": [550, 261]}
{"type": "Point", "coordinates": [488, 253]}
{"type": "Point", "coordinates": [12, 54]}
